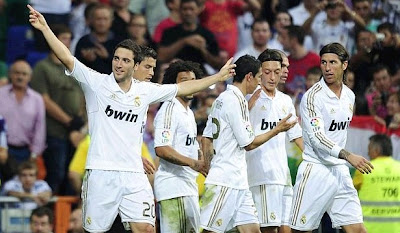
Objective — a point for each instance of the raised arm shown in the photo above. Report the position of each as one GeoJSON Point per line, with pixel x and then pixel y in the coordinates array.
{"type": "Point", "coordinates": [193, 86]}
{"type": "Point", "coordinates": [60, 50]}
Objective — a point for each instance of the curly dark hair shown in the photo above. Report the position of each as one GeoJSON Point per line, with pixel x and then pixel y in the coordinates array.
{"type": "Point", "coordinates": [175, 68]}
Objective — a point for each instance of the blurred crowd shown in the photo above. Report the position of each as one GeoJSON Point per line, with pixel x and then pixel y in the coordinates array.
{"type": "Point", "coordinates": [43, 121]}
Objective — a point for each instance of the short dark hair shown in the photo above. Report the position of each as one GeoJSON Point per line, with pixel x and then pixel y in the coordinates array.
{"type": "Point", "coordinates": [43, 211]}
{"type": "Point", "coordinates": [186, 1]}
{"type": "Point", "coordinates": [27, 165]}
{"type": "Point", "coordinates": [295, 31]}
{"type": "Point", "coordinates": [337, 49]}
{"type": "Point", "coordinates": [270, 55]}
{"type": "Point", "coordinates": [146, 52]}
{"type": "Point", "coordinates": [383, 142]}
{"type": "Point", "coordinates": [171, 73]}
{"type": "Point", "coordinates": [258, 20]}
{"type": "Point", "coordinates": [387, 26]}
{"type": "Point", "coordinates": [244, 65]}
{"type": "Point", "coordinates": [377, 68]}
{"type": "Point", "coordinates": [59, 29]}
{"type": "Point", "coordinates": [315, 70]}
{"type": "Point", "coordinates": [131, 45]}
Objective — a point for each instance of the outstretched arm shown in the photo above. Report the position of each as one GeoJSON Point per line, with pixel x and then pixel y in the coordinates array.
{"type": "Point", "coordinates": [193, 86]}
{"type": "Point", "coordinates": [60, 50]}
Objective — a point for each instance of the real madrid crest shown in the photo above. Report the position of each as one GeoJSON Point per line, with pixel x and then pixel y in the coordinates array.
{"type": "Point", "coordinates": [303, 219]}
{"type": "Point", "coordinates": [351, 107]}
{"type": "Point", "coordinates": [272, 216]}
{"type": "Point", "coordinates": [219, 222]}
{"type": "Point", "coordinates": [136, 102]}
{"type": "Point", "coordinates": [88, 220]}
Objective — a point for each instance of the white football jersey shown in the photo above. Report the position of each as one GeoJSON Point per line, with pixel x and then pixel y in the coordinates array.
{"type": "Point", "coordinates": [229, 126]}
{"type": "Point", "coordinates": [175, 126]}
{"type": "Point", "coordinates": [116, 118]}
{"type": "Point", "coordinates": [268, 163]}
{"type": "Point", "coordinates": [324, 120]}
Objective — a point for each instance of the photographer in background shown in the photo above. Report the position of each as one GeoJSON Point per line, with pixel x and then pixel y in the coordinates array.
{"type": "Point", "coordinates": [387, 49]}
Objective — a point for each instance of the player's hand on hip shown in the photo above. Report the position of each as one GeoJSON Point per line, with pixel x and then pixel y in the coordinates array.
{"type": "Point", "coordinates": [148, 166]}
{"type": "Point", "coordinates": [36, 19]}
{"type": "Point", "coordinates": [285, 124]}
{"type": "Point", "coordinates": [227, 71]}
{"type": "Point", "coordinates": [360, 163]}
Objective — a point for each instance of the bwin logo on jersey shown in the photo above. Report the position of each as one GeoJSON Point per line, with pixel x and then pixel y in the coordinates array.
{"type": "Point", "coordinates": [265, 124]}
{"type": "Point", "coordinates": [190, 140]}
{"type": "Point", "coordinates": [341, 125]}
{"type": "Point", "coordinates": [119, 115]}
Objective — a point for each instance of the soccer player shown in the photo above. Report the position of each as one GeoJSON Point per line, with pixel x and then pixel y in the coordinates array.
{"type": "Point", "coordinates": [323, 182]}
{"type": "Point", "coordinates": [227, 201]}
{"type": "Point", "coordinates": [267, 166]}
{"type": "Point", "coordinates": [116, 105]}
{"type": "Point", "coordinates": [175, 143]}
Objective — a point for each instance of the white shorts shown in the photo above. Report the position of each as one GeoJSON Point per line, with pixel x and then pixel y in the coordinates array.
{"type": "Point", "coordinates": [107, 193]}
{"type": "Point", "coordinates": [321, 189]}
{"type": "Point", "coordinates": [273, 203]}
{"type": "Point", "coordinates": [224, 208]}
{"type": "Point", "coordinates": [180, 215]}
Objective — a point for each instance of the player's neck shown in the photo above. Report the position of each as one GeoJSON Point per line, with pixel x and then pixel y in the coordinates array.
{"type": "Point", "coordinates": [125, 85]}
{"type": "Point", "coordinates": [183, 101]}
{"type": "Point", "coordinates": [336, 88]}
{"type": "Point", "coordinates": [269, 93]}
{"type": "Point", "coordinates": [242, 87]}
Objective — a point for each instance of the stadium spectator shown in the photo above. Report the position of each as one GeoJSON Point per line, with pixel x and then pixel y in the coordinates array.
{"type": "Point", "coordinates": [42, 220]}
{"type": "Point", "coordinates": [220, 17]}
{"type": "Point", "coordinates": [301, 12]}
{"type": "Point", "coordinates": [189, 41]}
{"type": "Point", "coordinates": [137, 30]}
{"type": "Point", "coordinates": [8, 166]}
{"type": "Point", "coordinates": [31, 191]}
{"type": "Point", "coordinates": [122, 18]}
{"type": "Point", "coordinates": [96, 48]}
{"type": "Point", "coordinates": [387, 50]}
{"type": "Point", "coordinates": [24, 111]}
{"type": "Point", "coordinates": [300, 59]}
{"type": "Point", "coordinates": [63, 100]}
{"type": "Point", "coordinates": [381, 89]}
{"type": "Point", "coordinates": [260, 34]}
{"type": "Point", "coordinates": [378, 191]}
{"type": "Point", "coordinates": [75, 221]}
{"type": "Point", "coordinates": [331, 27]}
{"type": "Point", "coordinates": [172, 20]}
{"type": "Point", "coordinates": [364, 9]}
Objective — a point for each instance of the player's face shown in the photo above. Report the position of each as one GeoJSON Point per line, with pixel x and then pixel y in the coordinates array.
{"type": "Point", "coordinates": [27, 178]}
{"type": "Point", "coordinates": [145, 71]}
{"type": "Point", "coordinates": [123, 65]}
{"type": "Point", "coordinates": [285, 69]}
{"type": "Point", "coordinates": [41, 224]}
{"type": "Point", "coordinates": [332, 68]}
{"type": "Point", "coordinates": [186, 76]}
{"type": "Point", "coordinates": [271, 75]}
{"type": "Point", "coordinates": [255, 80]}
{"type": "Point", "coordinates": [261, 33]}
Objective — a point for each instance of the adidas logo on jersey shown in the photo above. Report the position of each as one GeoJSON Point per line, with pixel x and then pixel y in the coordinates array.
{"type": "Point", "coordinates": [341, 125]}
{"type": "Point", "coordinates": [119, 115]}
{"type": "Point", "coordinates": [265, 124]}
{"type": "Point", "coordinates": [190, 140]}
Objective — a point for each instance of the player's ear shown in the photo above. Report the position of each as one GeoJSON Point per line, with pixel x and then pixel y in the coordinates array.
{"type": "Point", "coordinates": [344, 65]}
